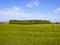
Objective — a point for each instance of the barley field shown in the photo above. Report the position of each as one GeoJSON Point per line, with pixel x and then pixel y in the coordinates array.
{"type": "Point", "coordinates": [38, 34]}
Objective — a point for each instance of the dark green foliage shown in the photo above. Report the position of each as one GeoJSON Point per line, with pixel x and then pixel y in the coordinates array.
{"type": "Point", "coordinates": [29, 22]}
{"type": "Point", "coordinates": [57, 23]}
{"type": "Point", "coordinates": [3, 22]}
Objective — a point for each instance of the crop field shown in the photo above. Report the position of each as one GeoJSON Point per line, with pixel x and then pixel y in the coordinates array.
{"type": "Point", "coordinates": [38, 34]}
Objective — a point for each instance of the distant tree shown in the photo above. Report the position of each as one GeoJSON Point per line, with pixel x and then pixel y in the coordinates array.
{"type": "Point", "coordinates": [1, 22]}
{"type": "Point", "coordinates": [29, 22]}
{"type": "Point", "coordinates": [57, 23]}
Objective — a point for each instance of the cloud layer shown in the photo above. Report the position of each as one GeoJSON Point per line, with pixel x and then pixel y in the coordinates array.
{"type": "Point", "coordinates": [14, 11]}
{"type": "Point", "coordinates": [57, 10]}
{"type": "Point", "coordinates": [19, 13]}
{"type": "Point", "coordinates": [33, 4]}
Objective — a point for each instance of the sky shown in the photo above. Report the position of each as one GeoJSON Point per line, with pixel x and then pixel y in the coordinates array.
{"type": "Point", "coordinates": [30, 10]}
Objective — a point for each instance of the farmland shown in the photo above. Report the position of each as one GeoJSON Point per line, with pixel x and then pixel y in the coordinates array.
{"type": "Point", "coordinates": [36, 34]}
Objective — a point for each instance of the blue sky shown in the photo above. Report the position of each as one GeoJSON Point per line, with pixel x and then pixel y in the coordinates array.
{"type": "Point", "coordinates": [30, 9]}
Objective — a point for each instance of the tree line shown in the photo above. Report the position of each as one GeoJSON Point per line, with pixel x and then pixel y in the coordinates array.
{"type": "Point", "coordinates": [29, 22]}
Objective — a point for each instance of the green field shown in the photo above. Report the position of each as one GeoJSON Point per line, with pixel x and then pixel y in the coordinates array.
{"type": "Point", "coordinates": [39, 34]}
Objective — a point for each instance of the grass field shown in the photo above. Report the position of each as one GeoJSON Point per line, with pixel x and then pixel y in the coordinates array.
{"type": "Point", "coordinates": [39, 34]}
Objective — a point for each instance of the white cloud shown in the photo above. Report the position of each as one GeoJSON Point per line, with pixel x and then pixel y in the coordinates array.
{"type": "Point", "coordinates": [15, 12]}
{"type": "Point", "coordinates": [36, 4]}
{"type": "Point", "coordinates": [33, 3]}
{"type": "Point", "coordinates": [16, 8]}
{"type": "Point", "coordinates": [29, 4]}
{"type": "Point", "coordinates": [19, 13]}
{"type": "Point", "coordinates": [57, 10]}
{"type": "Point", "coordinates": [43, 17]}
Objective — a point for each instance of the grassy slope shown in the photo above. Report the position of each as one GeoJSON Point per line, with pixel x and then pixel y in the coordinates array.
{"type": "Point", "coordinates": [43, 34]}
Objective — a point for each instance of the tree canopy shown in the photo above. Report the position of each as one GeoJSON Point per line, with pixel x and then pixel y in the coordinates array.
{"type": "Point", "coordinates": [29, 22]}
